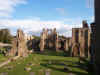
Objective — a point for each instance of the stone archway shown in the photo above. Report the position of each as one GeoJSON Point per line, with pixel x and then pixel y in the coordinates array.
{"type": "Point", "coordinates": [75, 49]}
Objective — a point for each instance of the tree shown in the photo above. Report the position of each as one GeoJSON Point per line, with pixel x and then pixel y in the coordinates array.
{"type": "Point", "coordinates": [5, 36]}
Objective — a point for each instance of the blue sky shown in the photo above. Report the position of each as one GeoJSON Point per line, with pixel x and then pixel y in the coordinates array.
{"type": "Point", "coordinates": [34, 15]}
{"type": "Point", "coordinates": [47, 9]}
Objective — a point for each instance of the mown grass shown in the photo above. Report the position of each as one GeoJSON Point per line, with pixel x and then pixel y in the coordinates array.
{"type": "Point", "coordinates": [3, 58]}
{"type": "Point", "coordinates": [47, 60]}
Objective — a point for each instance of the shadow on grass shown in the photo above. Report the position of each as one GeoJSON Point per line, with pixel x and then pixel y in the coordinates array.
{"type": "Point", "coordinates": [54, 53]}
{"type": "Point", "coordinates": [82, 66]}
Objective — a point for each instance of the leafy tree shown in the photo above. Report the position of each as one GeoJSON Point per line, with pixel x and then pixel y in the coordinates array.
{"type": "Point", "coordinates": [5, 36]}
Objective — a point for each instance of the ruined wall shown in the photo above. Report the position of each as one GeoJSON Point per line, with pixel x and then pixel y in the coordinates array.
{"type": "Point", "coordinates": [67, 44]}
{"type": "Point", "coordinates": [21, 43]}
{"type": "Point", "coordinates": [84, 42]}
{"type": "Point", "coordinates": [81, 41]}
{"type": "Point", "coordinates": [13, 50]}
{"type": "Point", "coordinates": [49, 39]}
{"type": "Point", "coordinates": [75, 42]}
{"type": "Point", "coordinates": [19, 47]}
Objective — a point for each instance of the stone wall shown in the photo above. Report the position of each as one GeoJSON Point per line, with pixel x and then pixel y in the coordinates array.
{"type": "Point", "coordinates": [81, 41]}
{"type": "Point", "coordinates": [19, 47]}
{"type": "Point", "coordinates": [49, 39]}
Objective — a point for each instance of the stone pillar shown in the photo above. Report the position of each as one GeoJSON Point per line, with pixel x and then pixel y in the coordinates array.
{"type": "Point", "coordinates": [75, 42]}
{"type": "Point", "coordinates": [43, 39]}
{"type": "Point", "coordinates": [89, 42]}
{"type": "Point", "coordinates": [82, 42]}
{"type": "Point", "coordinates": [86, 41]}
{"type": "Point", "coordinates": [55, 39]}
{"type": "Point", "coordinates": [13, 50]}
{"type": "Point", "coordinates": [42, 43]}
{"type": "Point", "coordinates": [21, 44]}
{"type": "Point", "coordinates": [56, 42]}
{"type": "Point", "coordinates": [66, 45]}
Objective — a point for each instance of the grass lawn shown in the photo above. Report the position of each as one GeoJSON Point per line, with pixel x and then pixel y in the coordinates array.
{"type": "Point", "coordinates": [3, 58]}
{"type": "Point", "coordinates": [48, 60]}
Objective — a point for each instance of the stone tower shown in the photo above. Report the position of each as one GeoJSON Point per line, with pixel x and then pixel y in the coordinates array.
{"type": "Point", "coordinates": [81, 41]}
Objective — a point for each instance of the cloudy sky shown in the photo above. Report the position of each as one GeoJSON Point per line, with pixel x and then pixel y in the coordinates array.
{"type": "Point", "coordinates": [34, 15]}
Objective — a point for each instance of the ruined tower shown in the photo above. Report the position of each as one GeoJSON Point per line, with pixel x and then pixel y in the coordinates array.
{"type": "Point", "coordinates": [81, 40]}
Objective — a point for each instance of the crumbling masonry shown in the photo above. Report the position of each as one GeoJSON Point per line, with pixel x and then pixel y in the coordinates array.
{"type": "Point", "coordinates": [81, 41]}
{"type": "Point", "coordinates": [19, 47]}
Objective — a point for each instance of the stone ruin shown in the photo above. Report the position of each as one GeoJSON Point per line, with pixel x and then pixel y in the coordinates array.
{"type": "Point", "coordinates": [78, 44]}
{"type": "Point", "coordinates": [67, 44]}
{"type": "Point", "coordinates": [43, 39]}
{"type": "Point", "coordinates": [51, 40]}
{"type": "Point", "coordinates": [19, 47]}
{"type": "Point", "coordinates": [81, 41]}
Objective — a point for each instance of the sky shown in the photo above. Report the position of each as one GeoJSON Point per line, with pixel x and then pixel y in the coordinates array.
{"type": "Point", "coordinates": [33, 15]}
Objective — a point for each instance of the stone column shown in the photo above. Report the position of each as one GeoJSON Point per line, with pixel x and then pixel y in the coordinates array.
{"type": "Point", "coordinates": [42, 43]}
{"type": "Point", "coordinates": [82, 42]}
{"type": "Point", "coordinates": [21, 44]}
{"type": "Point", "coordinates": [43, 40]}
{"type": "Point", "coordinates": [56, 42]}
{"type": "Point", "coordinates": [55, 39]}
{"type": "Point", "coordinates": [75, 42]}
{"type": "Point", "coordinates": [13, 50]}
{"type": "Point", "coordinates": [66, 45]}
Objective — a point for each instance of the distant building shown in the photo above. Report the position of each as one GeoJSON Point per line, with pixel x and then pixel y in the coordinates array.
{"type": "Point", "coordinates": [28, 37]}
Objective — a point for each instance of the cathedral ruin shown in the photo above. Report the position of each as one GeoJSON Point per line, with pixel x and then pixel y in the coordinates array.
{"type": "Point", "coordinates": [81, 41]}
{"type": "Point", "coordinates": [77, 45]}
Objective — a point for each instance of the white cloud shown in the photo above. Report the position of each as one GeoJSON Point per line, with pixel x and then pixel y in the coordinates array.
{"type": "Point", "coordinates": [7, 7]}
{"type": "Point", "coordinates": [35, 26]}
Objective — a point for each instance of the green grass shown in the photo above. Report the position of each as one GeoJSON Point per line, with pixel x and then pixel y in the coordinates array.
{"type": "Point", "coordinates": [3, 58]}
{"type": "Point", "coordinates": [47, 60]}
